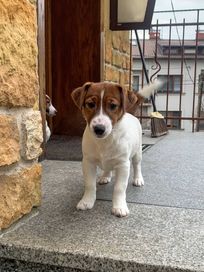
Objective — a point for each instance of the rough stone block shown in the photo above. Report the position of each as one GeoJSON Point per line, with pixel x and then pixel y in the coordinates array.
{"type": "Point", "coordinates": [19, 193]}
{"type": "Point", "coordinates": [32, 135]}
{"type": "Point", "coordinates": [117, 59]}
{"type": "Point", "coordinates": [108, 47]}
{"type": "Point", "coordinates": [124, 78]}
{"type": "Point", "coordinates": [108, 54]}
{"type": "Point", "coordinates": [126, 62]}
{"type": "Point", "coordinates": [18, 53]}
{"type": "Point", "coordinates": [111, 74]}
{"type": "Point", "coordinates": [124, 43]}
{"type": "Point", "coordinates": [116, 39]}
{"type": "Point", "coordinates": [9, 140]}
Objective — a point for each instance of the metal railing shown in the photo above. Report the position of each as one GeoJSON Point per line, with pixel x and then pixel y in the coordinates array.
{"type": "Point", "coordinates": [179, 57]}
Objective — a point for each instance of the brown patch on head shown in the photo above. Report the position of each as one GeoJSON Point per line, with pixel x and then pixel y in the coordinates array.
{"type": "Point", "coordinates": [92, 101]}
{"type": "Point", "coordinates": [78, 95]}
{"type": "Point", "coordinates": [88, 99]}
{"type": "Point", "coordinates": [48, 101]}
{"type": "Point", "coordinates": [115, 100]}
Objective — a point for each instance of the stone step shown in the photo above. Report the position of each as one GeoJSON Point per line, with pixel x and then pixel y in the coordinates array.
{"type": "Point", "coordinates": [154, 237]}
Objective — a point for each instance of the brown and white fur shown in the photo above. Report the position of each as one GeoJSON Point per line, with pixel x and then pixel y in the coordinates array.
{"type": "Point", "coordinates": [111, 140]}
{"type": "Point", "coordinates": [50, 111]}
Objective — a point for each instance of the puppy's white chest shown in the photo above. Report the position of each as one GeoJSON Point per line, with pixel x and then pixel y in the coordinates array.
{"type": "Point", "coordinates": [107, 153]}
{"type": "Point", "coordinates": [106, 156]}
{"type": "Point", "coordinates": [118, 148]}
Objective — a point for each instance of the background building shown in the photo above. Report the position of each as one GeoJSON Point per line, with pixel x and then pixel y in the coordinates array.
{"type": "Point", "coordinates": [181, 64]}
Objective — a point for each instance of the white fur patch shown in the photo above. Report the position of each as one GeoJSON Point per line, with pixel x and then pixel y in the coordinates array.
{"type": "Point", "coordinates": [150, 88]}
{"type": "Point", "coordinates": [102, 119]}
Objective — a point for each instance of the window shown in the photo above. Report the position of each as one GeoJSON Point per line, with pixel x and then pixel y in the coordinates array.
{"type": "Point", "coordinates": [174, 84]}
{"type": "Point", "coordinates": [173, 123]}
{"type": "Point", "coordinates": [173, 50]}
{"type": "Point", "coordinates": [189, 51]}
{"type": "Point", "coordinates": [136, 80]}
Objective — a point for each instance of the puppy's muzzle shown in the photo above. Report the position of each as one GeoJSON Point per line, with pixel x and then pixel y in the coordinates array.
{"type": "Point", "coordinates": [99, 130]}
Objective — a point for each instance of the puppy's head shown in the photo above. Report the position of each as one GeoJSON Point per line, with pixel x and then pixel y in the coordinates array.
{"type": "Point", "coordinates": [103, 105]}
{"type": "Point", "coordinates": [50, 109]}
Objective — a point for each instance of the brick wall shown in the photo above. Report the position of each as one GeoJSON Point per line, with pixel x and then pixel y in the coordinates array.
{"type": "Point", "coordinates": [20, 124]}
{"type": "Point", "coordinates": [116, 51]}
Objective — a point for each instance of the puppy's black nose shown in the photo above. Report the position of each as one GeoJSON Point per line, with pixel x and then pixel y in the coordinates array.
{"type": "Point", "coordinates": [99, 130]}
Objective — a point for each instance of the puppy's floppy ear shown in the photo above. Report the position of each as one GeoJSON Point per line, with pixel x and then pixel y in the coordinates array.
{"type": "Point", "coordinates": [129, 99]}
{"type": "Point", "coordinates": [48, 100]}
{"type": "Point", "coordinates": [133, 99]}
{"type": "Point", "coordinates": [122, 96]}
{"type": "Point", "coordinates": [78, 95]}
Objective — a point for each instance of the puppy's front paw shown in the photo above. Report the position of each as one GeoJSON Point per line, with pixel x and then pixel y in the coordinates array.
{"type": "Point", "coordinates": [138, 182]}
{"type": "Point", "coordinates": [104, 180]}
{"type": "Point", "coordinates": [120, 211]}
{"type": "Point", "coordinates": [85, 204]}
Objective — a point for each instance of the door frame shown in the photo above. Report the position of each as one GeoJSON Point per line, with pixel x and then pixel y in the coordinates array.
{"type": "Point", "coordinates": [41, 67]}
{"type": "Point", "coordinates": [45, 55]}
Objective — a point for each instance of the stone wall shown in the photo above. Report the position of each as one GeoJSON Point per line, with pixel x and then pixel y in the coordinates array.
{"type": "Point", "coordinates": [20, 124]}
{"type": "Point", "coordinates": [116, 51]}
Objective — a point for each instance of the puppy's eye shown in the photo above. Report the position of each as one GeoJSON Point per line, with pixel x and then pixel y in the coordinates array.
{"type": "Point", "coordinates": [90, 105]}
{"type": "Point", "coordinates": [113, 106]}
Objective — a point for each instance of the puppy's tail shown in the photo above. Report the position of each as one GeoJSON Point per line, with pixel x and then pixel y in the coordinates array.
{"type": "Point", "coordinates": [150, 88]}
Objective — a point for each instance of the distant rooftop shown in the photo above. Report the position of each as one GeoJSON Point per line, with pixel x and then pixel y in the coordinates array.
{"type": "Point", "coordinates": [176, 47]}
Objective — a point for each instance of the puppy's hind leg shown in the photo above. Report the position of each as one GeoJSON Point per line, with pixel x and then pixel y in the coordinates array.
{"type": "Point", "coordinates": [89, 197]}
{"type": "Point", "coordinates": [138, 178]}
{"type": "Point", "coordinates": [105, 178]}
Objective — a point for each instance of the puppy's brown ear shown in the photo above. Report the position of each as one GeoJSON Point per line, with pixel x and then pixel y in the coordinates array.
{"type": "Point", "coordinates": [129, 99]}
{"type": "Point", "coordinates": [78, 95]}
{"type": "Point", "coordinates": [133, 100]}
{"type": "Point", "coordinates": [48, 100]}
{"type": "Point", "coordinates": [122, 96]}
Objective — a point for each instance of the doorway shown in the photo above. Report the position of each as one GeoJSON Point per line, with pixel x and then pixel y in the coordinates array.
{"type": "Point", "coordinates": [73, 57]}
{"type": "Point", "coordinates": [69, 39]}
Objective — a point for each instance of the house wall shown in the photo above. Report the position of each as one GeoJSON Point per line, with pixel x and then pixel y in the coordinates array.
{"type": "Point", "coordinates": [20, 119]}
{"type": "Point", "coordinates": [187, 96]}
{"type": "Point", "coordinates": [116, 51]}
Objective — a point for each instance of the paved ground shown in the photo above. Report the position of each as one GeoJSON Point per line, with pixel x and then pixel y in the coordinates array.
{"type": "Point", "coordinates": [68, 148]}
{"type": "Point", "coordinates": [173, 171]}
{"type": "Point", "coordinates": [164, 232]}
{"type": "Point", "coordinates": [65, 148]}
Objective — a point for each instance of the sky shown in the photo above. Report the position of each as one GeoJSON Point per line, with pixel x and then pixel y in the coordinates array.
{"type": "Point", "coordinates": [165, 18]}
{"type": "Point", "coordinates": [179, 4]}
{"type": "Point", "coordinates": [189, 16]}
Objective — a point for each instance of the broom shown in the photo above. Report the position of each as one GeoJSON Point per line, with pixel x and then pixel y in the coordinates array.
{"type": "Point", "coordinates": [158, 124]}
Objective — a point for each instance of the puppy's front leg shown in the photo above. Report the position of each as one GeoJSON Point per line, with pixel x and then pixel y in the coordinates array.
{"type": "Point", "coordinates": [89, 197]}
{"type": "Point", "coordinates": [120, 208]}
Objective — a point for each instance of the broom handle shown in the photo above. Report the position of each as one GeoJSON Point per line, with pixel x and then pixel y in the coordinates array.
{"type": "Point", "coordinates": [145, 69]}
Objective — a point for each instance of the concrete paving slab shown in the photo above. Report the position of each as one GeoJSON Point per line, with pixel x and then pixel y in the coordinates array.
{"type": "Point", "coordinates": [68, 148]}
{"type": "Point", "coordinates": [152, 238]}
{"type": "Point", "coordinates": [65, 148]}
{"type": "Point", "coordinates": [173, 171]}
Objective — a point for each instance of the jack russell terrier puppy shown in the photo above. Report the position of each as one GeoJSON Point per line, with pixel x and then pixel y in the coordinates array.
{"type": "Point", "coordinates": [111, 140]}
{"type": "Point", "coordinates": [50, 111]}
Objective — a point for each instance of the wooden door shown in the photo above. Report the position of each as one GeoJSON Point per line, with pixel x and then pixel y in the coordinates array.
{"type": "Point", "coordinates": [75, 58]}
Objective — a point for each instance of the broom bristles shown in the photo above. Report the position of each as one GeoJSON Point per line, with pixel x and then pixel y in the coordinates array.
{"type": "Point", "coordinates": [158, 126]}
